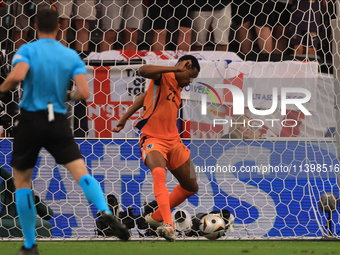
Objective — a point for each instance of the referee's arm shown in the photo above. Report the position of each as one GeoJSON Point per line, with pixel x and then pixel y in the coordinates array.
{"type": "Point", "coordinates": [15, 77]}
{"type": "Point", "coordinates": [82, 91]}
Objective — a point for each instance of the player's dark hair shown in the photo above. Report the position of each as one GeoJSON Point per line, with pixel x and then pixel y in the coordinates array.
{"type": "Point", "coordinates": [193, 59]}
{"type": "Point", "coordinates": [47, 20]}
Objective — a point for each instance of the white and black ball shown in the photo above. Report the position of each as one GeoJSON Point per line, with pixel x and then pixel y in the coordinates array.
{"type": "Point", "coordinates": [182, 220]}
{"type": "Point", "coordinates": [212, 226]}
{"type": "Point", "coordinates": [328, 202]}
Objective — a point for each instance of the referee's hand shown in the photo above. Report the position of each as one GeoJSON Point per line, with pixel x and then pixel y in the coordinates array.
{"type": "Point", "coordinates": [2, 95]}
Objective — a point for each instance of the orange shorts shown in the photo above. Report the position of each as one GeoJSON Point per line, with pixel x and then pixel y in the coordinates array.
{"type": "Point", "coordinates": [174, 151]}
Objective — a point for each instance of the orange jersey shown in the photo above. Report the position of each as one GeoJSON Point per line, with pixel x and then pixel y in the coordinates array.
{"type": "Point", "coordinates": [161, 105]}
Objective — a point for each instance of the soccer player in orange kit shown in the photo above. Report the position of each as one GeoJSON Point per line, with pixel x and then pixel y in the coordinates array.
{"type": "Point", "coordinates": [160, 143]}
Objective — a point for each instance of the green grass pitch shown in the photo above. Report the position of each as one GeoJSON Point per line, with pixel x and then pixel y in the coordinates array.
{"type": "Point", "coordinates": [177, 248]}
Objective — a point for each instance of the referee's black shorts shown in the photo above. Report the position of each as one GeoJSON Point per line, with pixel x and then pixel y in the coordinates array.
{"type": "Point", "coordinates": [33, 132]}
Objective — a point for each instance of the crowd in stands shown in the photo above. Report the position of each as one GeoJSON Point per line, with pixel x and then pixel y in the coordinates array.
{"type": "Point", "coordinates": [243, 26]}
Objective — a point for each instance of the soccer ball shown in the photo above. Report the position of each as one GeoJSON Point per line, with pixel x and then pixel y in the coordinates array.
{"type": "Point", "coordinates": [182, 220]}
{"type": "Point", "coordinates": [328, 202]}
{"type": "Point", "coordinates": [212, 226]}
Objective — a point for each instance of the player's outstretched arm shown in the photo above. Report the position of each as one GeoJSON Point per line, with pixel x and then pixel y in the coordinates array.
{"type": "Point", "coordinates": [154, 71]}
{"type": "Point", "coordinates": [82, 91]}
{"type": "Point", "coordinates": [15, 77]}
{"type": "Point", "coordinates": [132, 109]}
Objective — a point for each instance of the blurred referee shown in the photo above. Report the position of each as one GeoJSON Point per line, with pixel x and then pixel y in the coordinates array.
{"type": "Point", "coordinates": [46, 67]}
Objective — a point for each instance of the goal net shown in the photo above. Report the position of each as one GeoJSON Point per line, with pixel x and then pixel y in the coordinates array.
{"type": "Point", "coordinates": [260, 119]}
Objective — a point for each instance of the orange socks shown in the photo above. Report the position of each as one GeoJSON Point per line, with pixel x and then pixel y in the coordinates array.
{"type": "Point", "coordinates": [177, 196]}
{"type": "Point", "coordinates": [162, 194]}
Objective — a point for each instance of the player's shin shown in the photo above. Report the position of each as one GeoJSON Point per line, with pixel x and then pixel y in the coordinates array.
{"type": "Point", "coordinates": [162, 194]}
{"type": "Point", "coordinates": [94, 192]}
{"type": "Point", "coordinates": [27, 214]}
{"type": "Point", "coordinates": [177, 196]}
